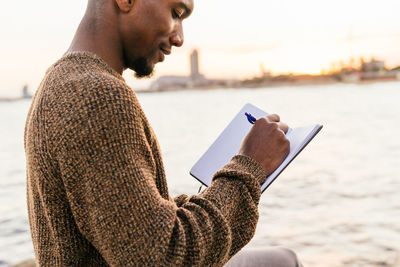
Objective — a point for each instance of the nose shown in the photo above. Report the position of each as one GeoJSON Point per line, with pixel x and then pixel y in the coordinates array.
{"type": "Point", "coordinates": [177, 38]}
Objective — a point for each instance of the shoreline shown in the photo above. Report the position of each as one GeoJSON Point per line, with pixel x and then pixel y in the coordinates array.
{"type": "Point", "coordinates": [265, 85]}
{"type": "Point", "coordinates": [7, 99]}
{"type": "Point", "coordinates": [238, 86]}
{"type": "Point", "coordinates": [25, 263]}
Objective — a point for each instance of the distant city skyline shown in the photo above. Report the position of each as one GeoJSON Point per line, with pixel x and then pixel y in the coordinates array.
{"type": "Point", "coordinates": [234, 37]}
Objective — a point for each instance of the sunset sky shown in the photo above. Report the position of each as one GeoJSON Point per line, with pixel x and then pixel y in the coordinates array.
{"type": "Point", "coordinates": [234, 37]}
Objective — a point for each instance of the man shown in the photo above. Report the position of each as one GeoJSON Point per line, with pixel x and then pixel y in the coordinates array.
{"type": "Point", "coordinates": [97, 191]}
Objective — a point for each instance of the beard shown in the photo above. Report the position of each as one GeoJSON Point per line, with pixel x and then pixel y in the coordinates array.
{"type": "Point", "coordinates": [142, 68]}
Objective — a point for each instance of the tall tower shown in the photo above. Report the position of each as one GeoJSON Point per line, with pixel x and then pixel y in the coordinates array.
{"type": "Point", "coordinates": [194, 65]}
{"type": "Point", "coordinates": [25, 92]}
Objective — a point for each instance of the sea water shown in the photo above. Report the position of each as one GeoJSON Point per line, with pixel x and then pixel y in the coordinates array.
{"type": "Point", "coordinates": [337, 204]}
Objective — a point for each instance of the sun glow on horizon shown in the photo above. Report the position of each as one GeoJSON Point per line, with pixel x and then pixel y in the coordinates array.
{"type": "Point", "coordinates": [233, 37]}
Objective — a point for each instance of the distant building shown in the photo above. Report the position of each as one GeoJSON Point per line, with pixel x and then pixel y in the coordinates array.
{"type": "Point", "coordinates": [194, 64]}
{"type": "Point", "coordinates": [353, 77]}
{"type": "Point", "coordinates": [373, 66]}
{"type": "Point", "coordinates": [376, 70]}
{"type": "Point", "coordinates": [195, 79]}
{"type": "Point", "coordinates": [165, 83]}
{"type": "Point", "coordinates": [25, 92]}
{"type": "Point", "coordinates": [25, 95]}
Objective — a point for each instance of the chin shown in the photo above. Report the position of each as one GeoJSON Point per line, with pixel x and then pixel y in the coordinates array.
{"type": "Point", "coordinates": [142, 75]}
{"type": "Point", "coordinates": [142, 68]}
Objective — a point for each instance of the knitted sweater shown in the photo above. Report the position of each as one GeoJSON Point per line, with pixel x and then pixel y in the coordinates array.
{"type": "Point", "coordinates": [96, 186]}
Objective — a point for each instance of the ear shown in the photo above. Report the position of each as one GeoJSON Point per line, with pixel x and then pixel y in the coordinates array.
{"type": "Point", "coordinates": [125, 5]}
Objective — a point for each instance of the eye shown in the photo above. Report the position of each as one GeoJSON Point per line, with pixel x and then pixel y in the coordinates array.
{"type": "Point", "coordinates": [177, 14]}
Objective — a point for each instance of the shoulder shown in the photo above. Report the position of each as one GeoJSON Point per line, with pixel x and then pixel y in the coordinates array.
{"type": "Point", "coordinates": [78, 95]}
{"type": "Point", "coordinates": [82, 81]}
{"type": "Point", "coordinates": [86, 80]}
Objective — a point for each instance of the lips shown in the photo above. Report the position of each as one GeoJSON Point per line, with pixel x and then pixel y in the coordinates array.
{"type": "Point", "coordinates": [161, 57]}
{"type": "Point", "coordinates": [165, 50]}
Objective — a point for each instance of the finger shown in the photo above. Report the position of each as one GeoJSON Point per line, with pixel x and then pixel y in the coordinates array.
{"type": "Point", "coordinates": [283, 126]}
{"type": "Point", "coordinates": [273, 117]}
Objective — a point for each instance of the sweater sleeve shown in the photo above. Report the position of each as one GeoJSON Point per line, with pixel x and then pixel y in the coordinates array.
{"type": "Point", "coordinates": [107, 167]}
{"type": "Point", "coordinates": [181, 199]}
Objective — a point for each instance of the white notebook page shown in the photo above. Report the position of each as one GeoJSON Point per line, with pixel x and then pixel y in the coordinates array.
{"type": "Point", "coordinates": [228, 143]}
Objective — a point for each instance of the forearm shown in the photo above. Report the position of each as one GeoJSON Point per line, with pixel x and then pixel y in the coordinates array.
{"type": "Point", "coordinates": [235, 190]}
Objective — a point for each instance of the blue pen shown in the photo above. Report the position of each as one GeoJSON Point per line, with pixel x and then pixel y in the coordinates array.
{"type": "Point", "coordinates": [250, 118]}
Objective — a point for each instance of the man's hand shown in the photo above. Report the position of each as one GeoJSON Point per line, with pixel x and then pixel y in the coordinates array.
{"type": "Point", "coordinates": [266, 143]}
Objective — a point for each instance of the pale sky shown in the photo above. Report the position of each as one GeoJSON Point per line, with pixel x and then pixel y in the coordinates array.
{"type": "Point", "coordinates": [234, 37]}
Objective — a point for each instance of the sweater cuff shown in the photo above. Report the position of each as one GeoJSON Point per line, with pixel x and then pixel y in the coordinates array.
{"type": "Point", "coordinates": [243, 166]}
{"type": "Point", "coordinates": [252, 166]}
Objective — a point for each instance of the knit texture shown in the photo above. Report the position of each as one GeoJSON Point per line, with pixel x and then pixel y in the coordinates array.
{"type": "Point", "coordinates": [96, 186]}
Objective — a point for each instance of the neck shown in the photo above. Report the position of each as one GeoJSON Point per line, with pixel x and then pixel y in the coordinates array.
{"type": "Point", "coordinates": [99, 37]}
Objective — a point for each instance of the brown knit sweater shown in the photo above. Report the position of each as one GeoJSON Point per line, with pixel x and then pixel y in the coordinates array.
{"type": "Point", "coordinates": [96, 187]}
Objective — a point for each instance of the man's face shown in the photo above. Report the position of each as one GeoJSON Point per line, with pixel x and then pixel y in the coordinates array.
{"type": "Point", "coordinates": [150, 30]}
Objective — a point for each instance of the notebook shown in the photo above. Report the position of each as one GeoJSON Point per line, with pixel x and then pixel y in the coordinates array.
{"type": "Point", "coordinates": [228, 143]}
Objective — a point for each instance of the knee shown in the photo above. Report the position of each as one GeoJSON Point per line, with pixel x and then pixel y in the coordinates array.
{"type": "Point", "coordinates": [271, 257]}
{"type": "Point", "coordinates": [289, 257]}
